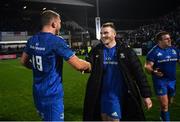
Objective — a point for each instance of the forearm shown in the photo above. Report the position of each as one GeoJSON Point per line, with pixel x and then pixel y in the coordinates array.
{"type": "Point", "coordinates": [84, 65]}
{"type": "Point", "coordinates": [25, 61]}
{"type": "Point", "coordinates": [28, 65]}
{"type": "Point", "coordinates": [79, 64]}
{"type": "Point", "coordinates": [149, 67]}
{"type": "Point", "coordinates": [149, 70]}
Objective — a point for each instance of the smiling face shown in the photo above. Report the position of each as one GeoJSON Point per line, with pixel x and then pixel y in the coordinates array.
{"type": "Point", "coordinates": [108, 35]}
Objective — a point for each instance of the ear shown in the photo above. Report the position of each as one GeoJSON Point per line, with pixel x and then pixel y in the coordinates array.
{"type": "Point", "coordinates": [53, 24]}
{"type": "Point", "coordinates": [115, 34]}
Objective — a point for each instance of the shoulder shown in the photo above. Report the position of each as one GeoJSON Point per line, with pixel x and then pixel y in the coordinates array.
{"type": "Point", "coordinates": [98, 47]}
{"type": "Point", "coordinates": [174, 50]}
{"type": "Point", "coordinates": [125, 52]}
{"type": "Point", "coordinates": [35, 36]}
{"type": "Point", "coordinates": [154, 49]}
{"type": "Point", "coordinates": [32, 39]}
{"type": "Point", "coordinates": [123, 47]}
{"type": "Point", "coordinates": [59, 40]}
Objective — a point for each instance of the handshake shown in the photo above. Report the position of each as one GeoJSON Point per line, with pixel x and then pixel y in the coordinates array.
{"type": "Point", "coordinates": [87, 67]}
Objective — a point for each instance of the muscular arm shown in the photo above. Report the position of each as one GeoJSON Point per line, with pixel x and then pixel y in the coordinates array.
{"type": "Point", "coordinates": [25, 61]}
{"type": "Point", "coordinates": [79, 64]}
{"type": "Point", "coordinates": [149, 66]}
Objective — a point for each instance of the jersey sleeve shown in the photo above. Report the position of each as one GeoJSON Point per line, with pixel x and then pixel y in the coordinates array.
{"type": "Point", "coordinates": [150, 56]}
{"type": "Point", "coordinates": [26, 48]}
{"type": "Point", "coordinates": [62, 49]}
{"type": "Point", "coordinates": [178, 52]}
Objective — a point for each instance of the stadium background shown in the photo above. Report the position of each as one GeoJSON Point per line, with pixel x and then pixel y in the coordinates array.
{"type": "Point", "coordinates": [136, 22]}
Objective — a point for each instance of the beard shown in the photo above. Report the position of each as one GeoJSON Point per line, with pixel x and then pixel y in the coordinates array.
{"type": "Point", "coordinates": [57, 32]}
{"type": "Point", "coordinates": [105, 41]}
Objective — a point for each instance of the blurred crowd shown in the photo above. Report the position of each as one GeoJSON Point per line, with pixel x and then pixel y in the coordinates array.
{"type": "Point", "coordinates": [143, 37]}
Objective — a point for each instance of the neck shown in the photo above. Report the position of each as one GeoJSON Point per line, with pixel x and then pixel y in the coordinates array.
{"type": "Point", "coordinates": [111, 44]}
{"type": "Point", "coordinates": [163, 46]}
{"type": "Point", "coordinates": [48, 30]}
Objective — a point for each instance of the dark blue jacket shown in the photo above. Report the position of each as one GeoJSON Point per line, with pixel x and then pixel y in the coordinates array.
{"type": "Point", "coordinates": [135, 81]}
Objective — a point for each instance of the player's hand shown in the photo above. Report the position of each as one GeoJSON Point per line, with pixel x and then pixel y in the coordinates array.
{"type": "Point", "coordinates": [82, 72]}
{"type": "Point", "coordinates": [147, 103]}
{"type": "Point", "coordinates": [87, 69]}
{"type": "Point", "coordinates": [157, 72]}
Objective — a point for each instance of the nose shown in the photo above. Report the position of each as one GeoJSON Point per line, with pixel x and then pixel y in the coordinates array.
{"type": "Point", "coordinates": [169, 39]}
{"type": "Point", "coordinates": [102, 35]}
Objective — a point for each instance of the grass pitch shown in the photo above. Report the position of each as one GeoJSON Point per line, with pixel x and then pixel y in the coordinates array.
{"type": "Point", "coordinates": [16, 101]}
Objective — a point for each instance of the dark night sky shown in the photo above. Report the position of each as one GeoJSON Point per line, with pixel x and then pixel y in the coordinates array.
{"type": "Point", "coordinates": [126, 12]}
{"type": "Point", "coordinates": [109, 10]}
{"type": "Point", "coordinates": [138, 9]}
{"type": "Point", "coordinates": [125, 9]}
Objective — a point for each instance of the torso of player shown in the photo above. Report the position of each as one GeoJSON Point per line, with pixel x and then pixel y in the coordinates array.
{"type": "Point", "coordinates": [165, 60]}
{"type": "Point", "coordinates": [112, 87]}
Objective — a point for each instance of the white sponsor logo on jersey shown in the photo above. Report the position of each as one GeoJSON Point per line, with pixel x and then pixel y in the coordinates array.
{"type": "Point", "coordinates": [122, 55]}
{"type": "Point", "coordinates": [173, 52]}
{"type": "Point", "coordinates": [159, 54]}
{"type": "Point", "coordinates": [114, 114]}
{"type": "Point", "coordinates": [168, 56]}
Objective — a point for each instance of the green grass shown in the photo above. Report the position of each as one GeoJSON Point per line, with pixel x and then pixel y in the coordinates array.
{"type": "Point", "coordinates": [16, 101]}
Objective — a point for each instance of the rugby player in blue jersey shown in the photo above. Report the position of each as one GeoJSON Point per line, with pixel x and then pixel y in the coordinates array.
{"type": "Point", "coordinates": [161, 64]}
{"type": "Point", "coordinates": [116, 83]}
{"type": "Point", "coordinates": [44, 54]}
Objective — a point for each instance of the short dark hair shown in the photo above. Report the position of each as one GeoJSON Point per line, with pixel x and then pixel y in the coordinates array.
{"type": "Point", "coordinates": [109, 24]}
{"type": "Point", "coordinates": [47, 16]}
{"type": "Point", "coordinates": [159, 35]}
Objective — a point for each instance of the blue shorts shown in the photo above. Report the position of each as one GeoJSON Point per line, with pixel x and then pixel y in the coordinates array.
{"type": "Point", "coordinates": [111, 108]}
{"type": "Point", "coordinates": [163, 87]}
{"type": "Point", "coordinates": [51, 111]}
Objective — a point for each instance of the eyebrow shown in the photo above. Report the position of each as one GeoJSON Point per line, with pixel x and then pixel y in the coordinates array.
{"type": "Point", "coordinates": [105, 32]}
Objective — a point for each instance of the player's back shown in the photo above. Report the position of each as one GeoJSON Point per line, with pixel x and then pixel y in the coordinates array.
{"type": "Point", "coordinates": [47, 65]}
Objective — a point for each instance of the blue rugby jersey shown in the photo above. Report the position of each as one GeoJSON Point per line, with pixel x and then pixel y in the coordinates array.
{"type": "Point", "coordinates": [165, 59]}
{"type": "Point", "coordinates": [47, 52]}
{"type": "Point", "coordinates": [113, 86]}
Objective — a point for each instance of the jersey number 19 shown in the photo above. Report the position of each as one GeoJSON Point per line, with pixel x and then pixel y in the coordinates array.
{"type": "Point", "coordinates": [37, 62]}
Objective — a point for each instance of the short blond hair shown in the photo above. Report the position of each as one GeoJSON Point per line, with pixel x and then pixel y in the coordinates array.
{"type": "Point", "coordinates": [109, 24]}
{"type": "Point", "coordinates": [47, 16]}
